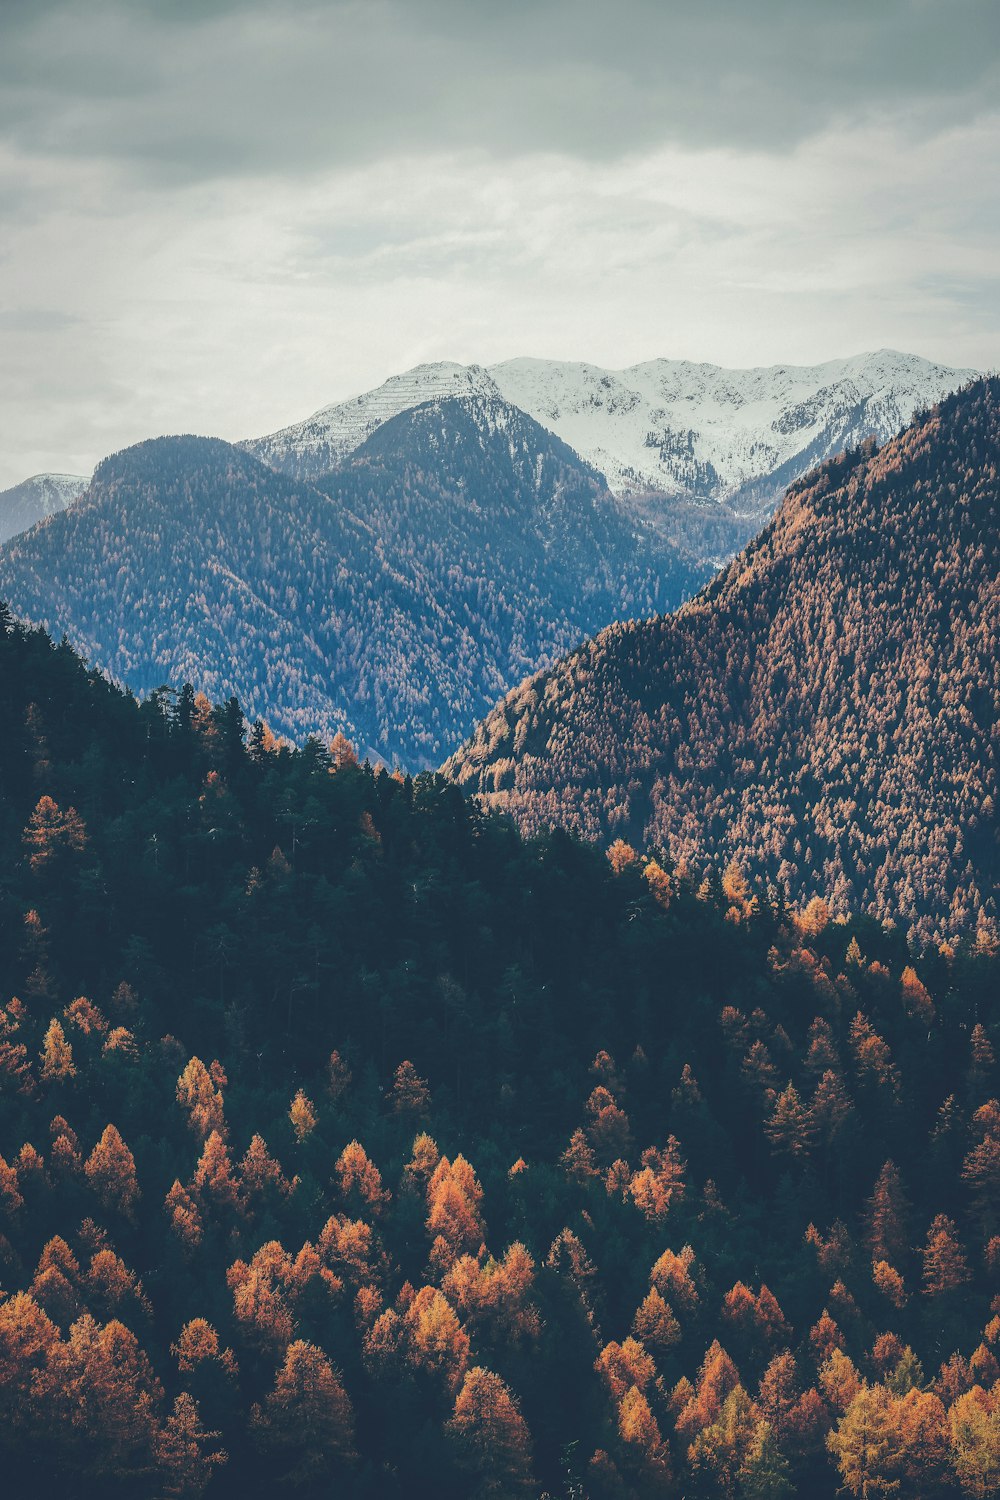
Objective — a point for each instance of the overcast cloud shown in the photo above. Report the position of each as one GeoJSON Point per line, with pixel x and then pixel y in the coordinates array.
{"type": "Point", "coordinates": [217, 215]}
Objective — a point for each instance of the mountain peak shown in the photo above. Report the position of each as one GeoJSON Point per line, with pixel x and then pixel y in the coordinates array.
{"type": "Point", "coordinates": [152, 454]}
{"type": "Point", "coordinates": [394, 598]}
{"type": "Point", "coordinates": [309, 448]}
{"type": "Point", "coordinates": [25, 504]}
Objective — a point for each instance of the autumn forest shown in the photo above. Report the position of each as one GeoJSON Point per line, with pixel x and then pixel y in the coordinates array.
{"type": "Point", "coordinates": [499, 750]}
{"type": "Point", "coordinates": [355, 1144]}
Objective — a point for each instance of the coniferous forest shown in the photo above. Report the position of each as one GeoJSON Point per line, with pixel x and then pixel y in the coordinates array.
{"type": "Point", "coordinates": [354, 1144]}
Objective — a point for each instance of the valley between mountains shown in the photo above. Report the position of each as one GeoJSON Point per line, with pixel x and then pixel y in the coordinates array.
{"type": "Point", "coordinates": [822, 711]}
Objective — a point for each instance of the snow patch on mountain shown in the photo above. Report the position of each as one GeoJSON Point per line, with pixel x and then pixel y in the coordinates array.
{"type": "Point", "coordinates": [316, 445]}
{"type": "Point", "coordinates": [24, 504]}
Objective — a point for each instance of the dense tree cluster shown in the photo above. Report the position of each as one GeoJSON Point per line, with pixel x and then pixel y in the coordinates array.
{"type": "Point", "coordinates": [394, 600]}
{"type": "Point", "coordinates": [351, 1144]}
{"type": "Point", "coordinates": [824, 713]}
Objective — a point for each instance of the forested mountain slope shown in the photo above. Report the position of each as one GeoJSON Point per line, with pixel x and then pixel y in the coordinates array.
{"type": "Point", "coordinates": [350, 1145]}
{"type": "Point", "coordinates": [825, 712]}
{"type": "Point", "coordinates": [460, 549]}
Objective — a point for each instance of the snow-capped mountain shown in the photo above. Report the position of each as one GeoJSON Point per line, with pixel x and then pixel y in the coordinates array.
{"type": "Point", "coordinates": [35, 498]}
{"type": "Point", "coordinates": [708, 433]}
{"type": "Point", "coordinates": [702, 451]}
{"type": "Point", "coordinates": [316, 445]}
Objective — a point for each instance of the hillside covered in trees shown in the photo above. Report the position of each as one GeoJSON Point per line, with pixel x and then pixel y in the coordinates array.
{"type": "Point", "coordinates": [394, 600]}
{"type": "Point", "coordinates": [351, 1144]}
{"type": "Point", "coordinates": [825, 712]}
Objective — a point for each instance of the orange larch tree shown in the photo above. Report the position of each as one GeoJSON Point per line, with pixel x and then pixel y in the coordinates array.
{"type": "Point", "coordinates": [491, 1438]}
{"type": "Point", "coordinates": [306, 1423]}
{"type": "Point", "coordinates": [110, 1170]}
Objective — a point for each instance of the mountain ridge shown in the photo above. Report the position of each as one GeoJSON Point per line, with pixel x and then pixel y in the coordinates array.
{"type": "Point", "coordinates": [700, 451]}
{"type": "Point", "coordinates": [395, 600]}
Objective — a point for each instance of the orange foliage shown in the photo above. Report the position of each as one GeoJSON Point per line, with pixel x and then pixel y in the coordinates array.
{"type": "Point", "coordinates": [185, 1216]}
{"type": "Point", "coordinates": [213, 1179]}
{"type": "Point", "coordinates": [306, 1422]}
{"type": "Point", "coordinates": [654, 1322]}
{"type": "Point", "coordinates": [659, 1183]}
{"type": "Point", "coordinates": [410, 1094]}
{"type": "Point", "coordinates": [57, 1055]}
{"type": "Point", "coordinates": [578, 1160]}
{"type": "Point", "coordinates": [84, 1014]}
{"type": "Point", "coordinates": [454, 1219]}
{"type": "Point", "coordinates": [673, 1276]}
{"type": "Point", "coordinates": [357, 1174]}
{"type": "Point", "coordinates": [889, 1282]}
{"type": "Point", "coordinates": [51, 833]}
{"type": "Point", "coordinates": [435, 1339]}
{"type": "Point", "coordinates": [490, 1437]}
{"type": "Point", "coordinates": [198, 1344]}
{"type": "Point", "coordinates": [261, 1175]}
{"type": "Point", "coordinates": [197, 1093]}
{"type": "Point", "coordinates": [110, 1171]}
{"type": "Point", "coordinates": [621, 856]}
{"type": "Point", "coordinates": [302, 1114]}
{"type": "Point", "coordinates": [186, 1451]}
{"type": "Point", "coordinates": [945, 1265]}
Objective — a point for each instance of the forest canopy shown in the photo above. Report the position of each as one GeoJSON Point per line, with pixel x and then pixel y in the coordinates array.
{"type": "Point", "coordinates": [353, 1143]}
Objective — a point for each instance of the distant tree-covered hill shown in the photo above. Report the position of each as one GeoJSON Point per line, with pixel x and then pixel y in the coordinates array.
{"type": "Point", "coordinates": [352, 1145]}
{"type": "Point", "coordinates": [825, 712]}
{"type": "Point", "coordinates": [461, 547]}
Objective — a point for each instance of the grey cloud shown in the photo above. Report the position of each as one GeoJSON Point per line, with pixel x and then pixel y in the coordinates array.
{"type": "Point", "coordinates": [219, 214]}
{"type": "Point", "coordinates": [36, 320]}
{"type": "Point", "coordinates": [203, 88]}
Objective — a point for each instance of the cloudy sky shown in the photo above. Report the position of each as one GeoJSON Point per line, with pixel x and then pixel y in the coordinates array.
{"type": "Point", "coordinates": [218, 215]}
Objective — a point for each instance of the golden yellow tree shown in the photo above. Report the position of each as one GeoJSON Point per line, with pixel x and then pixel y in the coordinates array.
{"type": "Point", "coordinates": [197, 1093]}
{"type": "Point", "coordinates": [306, 1423]}
{"type": "Point", "coordinates": [302, 1115]}
{"type": "Point", "coordinates": [110, 1170]}
{"type": "Point", "coordinates": [57, 1055]}
{"type": "Point", "coordinates": [185, 1452]}
{"type": "Point", "coordinates": [51, 832]}
{"type": "Point", "coordinates": [490, 1437]}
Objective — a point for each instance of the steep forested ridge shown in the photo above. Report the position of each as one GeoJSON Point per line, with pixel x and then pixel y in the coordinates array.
{"type": "Point", "coordinates": [351, 1144]}
{"type": "Point", "coordinates": [460, 548]}
{"type": "Point", "coordinates": [825, 712]}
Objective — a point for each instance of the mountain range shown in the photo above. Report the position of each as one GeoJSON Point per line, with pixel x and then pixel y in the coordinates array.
{"type": "Point", "coordinates": [703, 453]}
{"type": "Point", "coordinates": [395, 565]}
{"type": "Point", "coordinates": [394, 599]}
{"type": "Point", "coordinates": [824, 712]}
